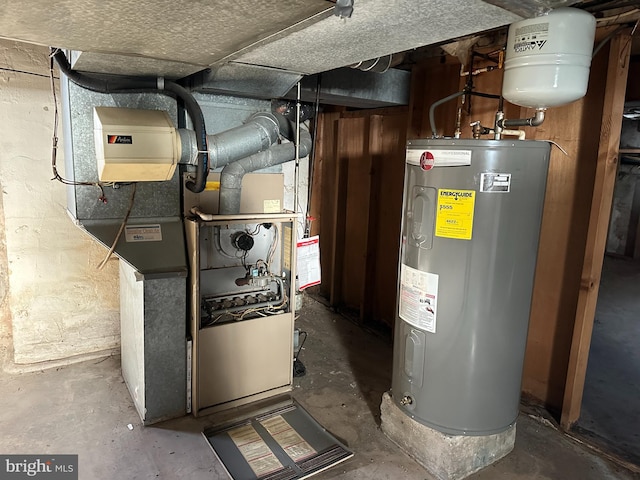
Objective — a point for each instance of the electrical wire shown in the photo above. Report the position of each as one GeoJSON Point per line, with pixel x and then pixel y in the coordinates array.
{"type": "Point", "coordinates": [235, 316]}
{"type": "Point", "coordinates": [302, 223]}
{"type": "Point", "coordinates": [54, 140]}
{"type": "Point", "coordinates": [255, 230]}
{"type": "Point", "coordinates": [238, 316]}
{"type": "Point", "coordinates": [301, 343]}
{"type": "Point", "coordinates": [13, 70]}
{"type": "Point", "coordinates": [312, 158]}
{"type": "Point", "coordinates": [299, 370]}
{"type": "Point", "coordinates": [296, 191]}
{"type": "Point", "coordinates": [119, 234]}
{"type": "Point", "coordinates": [559, 147]}
{"type": "Point", "coordinates": [61, 179]}
{"type": "Point", "coordinates": [606, 39]}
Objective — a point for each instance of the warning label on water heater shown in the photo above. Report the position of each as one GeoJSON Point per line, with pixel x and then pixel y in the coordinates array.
{"type": "Point", "coordinates": [495, 182]}
{"type": "Point", "coordinates": [418, 298]}
{"type": "Point", "coordinates": [454, 217]}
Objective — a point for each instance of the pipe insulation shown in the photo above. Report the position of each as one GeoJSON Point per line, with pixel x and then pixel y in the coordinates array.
{"type": "Point", "coordinates": [534, 121]}
{"type": "Point", "coordinates": [127, 84]}
{"type": "Point", "coordinates": [232, 175]}
{"type": "Point", "coordinates": [432, 110]}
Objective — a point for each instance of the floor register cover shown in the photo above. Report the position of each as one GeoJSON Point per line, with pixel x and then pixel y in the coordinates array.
{"type": "Point", "coordinates": [282, 444]}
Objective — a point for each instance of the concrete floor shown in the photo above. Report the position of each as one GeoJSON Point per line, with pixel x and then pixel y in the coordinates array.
{"type": "Point", "coordinates": [85, 409]}
{"type": "Point", "coordinates": [611, 402]}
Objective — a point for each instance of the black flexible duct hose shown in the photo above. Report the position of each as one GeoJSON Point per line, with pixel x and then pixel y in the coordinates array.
{"type": "Point", "coordinates": [195, 112]}
{"type": "Point", "coordinates": [126, 84]}
{"type": "Point", "coordinates": [106, 84]}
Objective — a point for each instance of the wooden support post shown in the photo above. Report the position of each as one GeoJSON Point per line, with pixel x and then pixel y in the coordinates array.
{"type": "Point", "coordinates": [325, 158]}
{"type": "Point", "coordinates": [376, 136]}
{"type": "Point", "coordinates": [605, 176]}
{"type": "Point", "coordinates": [354, 149]}
{"type": "Point", "coordinates": [340, 218]}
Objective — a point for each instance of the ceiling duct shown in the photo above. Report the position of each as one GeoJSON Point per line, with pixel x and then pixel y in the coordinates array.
{"type": "Point", "coordinates": [357, 89]}
{"type": "Point", "coordinates": [244, 80]}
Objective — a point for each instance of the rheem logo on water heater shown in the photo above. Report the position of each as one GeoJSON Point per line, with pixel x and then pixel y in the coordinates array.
{"type": "Point", "coordinates": [436, 157]}
{"type": "Point", "coordinates": [427, 161]}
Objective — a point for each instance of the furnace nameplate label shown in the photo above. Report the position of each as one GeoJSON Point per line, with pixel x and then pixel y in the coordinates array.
{"type": "Point", "coordinates": [495, 182]}
{"type": "Point", "coordinates": [271, 206]}
{"type": "Point", "coordinates": [143, 233]}
{"type": "Point", "coordinates": [454, 217]}
{"type": "Point", "coordinates": [418, 298]}
{"type": "Point", "coordinates": [291, 442]}
{"type": "Point", "coordinates": [255, 451]}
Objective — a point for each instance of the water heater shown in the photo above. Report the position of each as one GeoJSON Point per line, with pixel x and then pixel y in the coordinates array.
{"type": "Point", "coordinates": [471, 222]}
{"type": "Point", "coordinates": [547, 58]}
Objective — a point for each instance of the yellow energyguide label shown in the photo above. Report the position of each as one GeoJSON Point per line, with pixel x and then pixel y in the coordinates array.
{"type": "Point", "coordinates": [454, 217]}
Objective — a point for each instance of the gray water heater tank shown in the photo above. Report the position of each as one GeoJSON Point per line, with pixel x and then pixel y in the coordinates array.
{"type": "Point", "coordinates": [471, 224]}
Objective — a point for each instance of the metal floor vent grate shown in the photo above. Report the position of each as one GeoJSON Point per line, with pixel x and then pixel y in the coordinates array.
{"type": "Point", "coordinates": [334, 455]}
{"type": "Point", "coordinates": [286, 474]}
{"type": "Point", "coordinates": [283, 444]}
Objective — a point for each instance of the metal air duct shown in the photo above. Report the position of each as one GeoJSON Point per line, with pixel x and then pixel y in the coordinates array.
{"type": "Point", "coordinates": [232, 174]}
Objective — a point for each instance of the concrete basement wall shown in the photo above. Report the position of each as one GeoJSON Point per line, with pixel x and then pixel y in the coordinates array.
{"type": "Point", "coordinates": [53, 301]}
